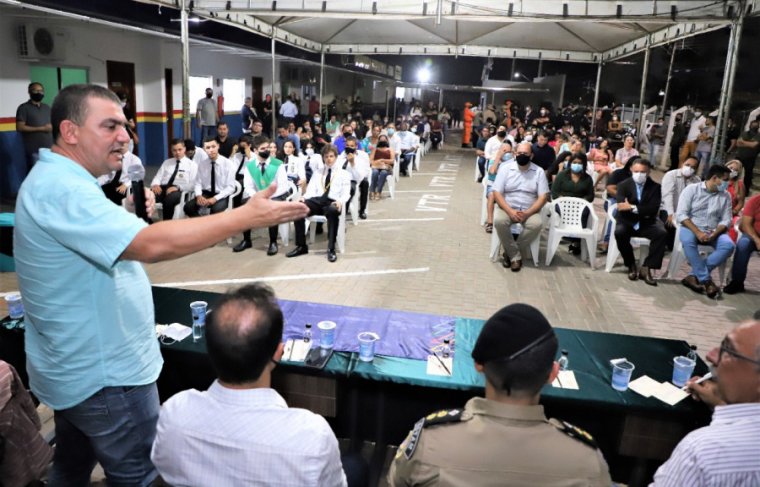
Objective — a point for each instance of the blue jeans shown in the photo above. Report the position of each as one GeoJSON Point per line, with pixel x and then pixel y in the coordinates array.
{"type": "Point", "coordinates": [701, 267]}
{"type": "Point", "coordinates": [744, 249]}
{"type": "Point", "coordinates": [114, 427]}
{"type": "Point", "coordinates": [207, 131]}
{"type": "Point", "coordinates": [378, 180]}
{"type": "Point", "coordinates": [704, 156]}
{"type": "Point", "coordinates": [608, 230]}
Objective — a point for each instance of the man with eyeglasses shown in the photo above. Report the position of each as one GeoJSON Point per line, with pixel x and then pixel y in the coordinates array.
{"type": "Point", "coordinates": [504, 438]}
{"type": "Point", "coordinates": [727, 451]}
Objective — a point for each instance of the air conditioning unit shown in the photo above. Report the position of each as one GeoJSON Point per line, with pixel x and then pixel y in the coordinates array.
{"type": "Point", "coordinates": [36, 43]}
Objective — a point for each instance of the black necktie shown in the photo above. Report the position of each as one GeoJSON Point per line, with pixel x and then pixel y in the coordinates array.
{"type": "Point", "coordinates": [213, 177]}
{"type": "Point", "coordinates": [242, 163]}
{"type": "Point", "coordinates": [327, 181]}
{"type": "Point", "coordinates": [116, 177]}
{"type": "Point", "coordinates": [174, 174]}
{"type": "Point", "coordinates": [263, 167]}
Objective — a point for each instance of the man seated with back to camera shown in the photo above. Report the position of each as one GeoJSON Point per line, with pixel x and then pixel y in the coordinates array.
{"type": "Point", "coordinates": [504, 438]}
{"type": "Point", "coordinates": [214, 182]}
{"type": "Point", "coordinates": [638, 206]}
{"type": "Point", "coordinates": [356, 162]}
{"type": "Point", "coordinates": [175, 175]}
{"type": "Point", "coordinates": [704, 213]}
{"type": "Point", "coordinates": [240, 431]}
{"type": "Point", "coordinates": [326, 194]}
{"type": "Point", "coordinates": [673, 183]}
{"type": "Point", "coordinates": [520, 190]}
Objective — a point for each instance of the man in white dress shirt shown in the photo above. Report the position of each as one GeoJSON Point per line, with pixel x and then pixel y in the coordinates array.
{"type": "Point", "coordinates": [356, 162]}
{"type": "Point", "coordinates": [116, 183]}
{"type": "Point", "coordinates": [173, 177]}
{"type": "Point", "coordinates": [493, 143]}
{"type": "Point", "coordinates": [214, 183]}
{"type": "Point", "coordinates": [240, 431]}
{"type": "Point", "coordinates": [726, 452]}
{"type": "Point", "coordinates": [327, 193]}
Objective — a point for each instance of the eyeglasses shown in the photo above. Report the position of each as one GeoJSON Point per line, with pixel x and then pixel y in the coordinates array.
{"type": "Point", "coordinates": [726, 347]}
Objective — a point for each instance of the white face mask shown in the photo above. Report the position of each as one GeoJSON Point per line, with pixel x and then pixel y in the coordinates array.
{"type": "Point", "coordinates": [309, 151]}
{"type": "Point", "coordinates": [687, 171]}
{"type": "Point", "coordinates": [639, 177]}
{"type": "Point", "coordinates": [734, 174]}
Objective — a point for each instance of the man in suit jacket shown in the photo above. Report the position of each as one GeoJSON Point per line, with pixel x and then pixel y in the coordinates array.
{"type": "Point", "coordinates": [638, 203]}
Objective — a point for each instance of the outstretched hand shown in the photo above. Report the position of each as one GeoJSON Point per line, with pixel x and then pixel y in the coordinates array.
{"type": "Point", "coordinates": [263, 212]}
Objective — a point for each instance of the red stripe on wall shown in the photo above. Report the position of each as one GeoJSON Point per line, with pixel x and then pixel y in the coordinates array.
{"type": "Point", "coordinates": [7, 119]}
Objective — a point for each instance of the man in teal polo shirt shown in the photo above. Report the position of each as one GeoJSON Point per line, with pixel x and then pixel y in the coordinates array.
{"type": "Point", "coordinates": [90, 330]}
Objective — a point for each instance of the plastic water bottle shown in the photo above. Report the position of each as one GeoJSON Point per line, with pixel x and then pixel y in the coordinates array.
{"type": "Point", "coordinates": [563, 361]}
{"type": "Point", "coordinates": [446, 351]}
{"type": "Point", "coordinates": [307, 332]}
{"type": "Point", "coordinates": [692, 353]}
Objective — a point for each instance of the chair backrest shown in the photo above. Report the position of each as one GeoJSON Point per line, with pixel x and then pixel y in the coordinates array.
{"type": "Point", "coordinates": [612, 213]}
{"type": "Point", "coordinates": [570, 211]}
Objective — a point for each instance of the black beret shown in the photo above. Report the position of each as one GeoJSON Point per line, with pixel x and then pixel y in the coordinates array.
{"type": "Point", "coordinates": [513, 329]}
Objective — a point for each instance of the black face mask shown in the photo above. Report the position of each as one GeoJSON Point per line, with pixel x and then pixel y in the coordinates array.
{"type": "Point", "coordinates": [382, 144]}
{"type": "Point", "coordinates": [264, 154]}
{"type": "Point", "coordinates": [523, 159]}
{"type": "Point", "coordinates": [350, 150]}
{"type": "Point", "coordinates": [501, 134]}
{"type": "Point", "coordinates": [209, 95]}
{"type": "Point", "coordinates": [753, 128]}
{"type": "Point", "coordinates": [37, 97]}
{"type": "Point", "coordinates": [346, 134]}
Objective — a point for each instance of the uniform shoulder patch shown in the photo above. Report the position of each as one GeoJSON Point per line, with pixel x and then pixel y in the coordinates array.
{"type": "Point", "coordinates": [439, 417]}
{"type": "Point", "coordinates": [575, 432]}
{"type": "Point", "coordinates": [443, 416]}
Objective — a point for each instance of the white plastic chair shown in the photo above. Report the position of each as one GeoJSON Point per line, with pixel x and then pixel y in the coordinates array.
{"type": "Point", "coordinates": [397, 169]}
{"type": "Point", "coordinates": [390, 182]}
{"type": "Point", "coordinates": [612, 249]}
{"type": "Point", "coordinates": [568, 223]}
{"type": "Point", "coordinates": [677, 257]}
{"type": "Point", "coordinates": [484, 202]}
{"type": "Point", "coordinates": [284, 228]}
{"type": "Point", "coordinates": [230, 203]}
{"type": "Point", "coordinates": [354, 206]}
{"type": "Point", "coordinates": [477, 169]}
{"type": "Point", "coordinates": [340, 239]}
{"type": "Point", "coordinates": [534, 245]}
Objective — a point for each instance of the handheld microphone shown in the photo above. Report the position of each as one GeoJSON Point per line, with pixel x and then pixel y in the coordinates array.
{"type": "Point", "coordinates": [136, 174]}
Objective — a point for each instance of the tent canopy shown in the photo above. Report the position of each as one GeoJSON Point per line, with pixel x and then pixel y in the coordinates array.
{"type": "Point", "coordinates": [560, 30]}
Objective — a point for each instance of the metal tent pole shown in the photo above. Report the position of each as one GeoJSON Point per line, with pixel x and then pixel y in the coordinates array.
{"type": "Point", "coordinates": [321, 82]}
{"type": "Point", "coordinates": [596, 96]}
{"type": "Point", "coordinates": [274, 103]}
{"type": "Point", "coordinates": [724, 110]}
{"type": "Point", "coordinates": [644, 75]}
{"type": "Point", "coordinates": [667, 82]}
{"type": "Point", "coordinates": [187, 129]}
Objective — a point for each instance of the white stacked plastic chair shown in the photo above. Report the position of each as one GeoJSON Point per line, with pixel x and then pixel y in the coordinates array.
{"type": "Point", "coordinates": [534, 245]}
{"type": "Point", "coordinates": [477, 169]}
{"type": "Point", "coordinates": [568, 223]}
{"type": "Point", "coordinates": [230, 203]}
{"type": "Point", "coordinates": [340, 239]}
{"type": "Point", "coordinates": [284, 228]}
{"type": "Point", "coordinates": [353, 208]}
{"type": "Point", "coordinates": [484, 202]}
{"type": "Point", "coordinates": [397, 169]}
{"type": "Point", "coordinates": [677, 257]}
{"type": "Point", "coordinates": [612, 249]}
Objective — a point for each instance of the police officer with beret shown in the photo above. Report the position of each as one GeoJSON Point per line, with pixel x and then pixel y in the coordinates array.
{"type": "Point", "coordinates": [504, 439]}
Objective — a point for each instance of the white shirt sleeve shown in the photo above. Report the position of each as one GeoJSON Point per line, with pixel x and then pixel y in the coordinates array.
{"type": "Point", "coordinates": [160, 173]}
{"type": "Point", "coordinates": [248, 188]}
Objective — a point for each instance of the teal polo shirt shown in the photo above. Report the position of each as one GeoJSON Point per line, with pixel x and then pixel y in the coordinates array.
{"type": "Point", "coordinates": [89, 315]}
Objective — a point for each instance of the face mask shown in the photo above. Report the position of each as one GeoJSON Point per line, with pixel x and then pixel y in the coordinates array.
{"type": "Point", "coordinates": [264, 154]}
{"type": "Point", "coordinates": [687, 171]}
{"type": "Point", "coordinates": [241, 149]}
{"type": "Point", "coordinates": [723, 186]}
{"type": "Point", "coordinates": [317, 119]}
{"type": "Point", "coordinates": [639, 177]}
{"type": "Point", "coordinates": [753, 128]}
{"type": "Point", "coordinates": [507, 157]}
{"type": "Point", "coordinates": [37, 97]}
{"type": "Point", "coordinates": [501, 134]}
{"type": "Point", "coordinates": [523, 159]}
{"type": "Point", "coordinates": [309, 151]}
{"type": "Point", "coordinates": [576, 167]}
{"type": "Point", "coordinates": [391, 132]}
{"type": "Point", "coordinates": [382, 143]}
{"type": "Point", "coordinates": [734, 174]}
{"type": "Point", "coordinates": [209, 95]}
{"type": "Point", "coordinates": [123, 104]}
{"type": "Point", "coordinates": [346, 134]}
{"type": "Point", "coordinates": [350, 150]}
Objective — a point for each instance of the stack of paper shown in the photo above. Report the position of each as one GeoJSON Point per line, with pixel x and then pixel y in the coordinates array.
{"type": "Point", "coordinates": [566, 380]}
{"type": "Point", "coordinates": [295, 350]}
{"type": "Point", "coordinates": [664, 391]}
{"type": "Point", "coordinates": [437, 365]}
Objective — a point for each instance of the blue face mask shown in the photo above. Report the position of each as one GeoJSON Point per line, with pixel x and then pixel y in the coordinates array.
{"type": "Point", "coordinates": [723, 186]}
{"type": "Point", "coordinates": [391, 132]}
{"type": "Point", "coordinates": [506, 157]}
{"type": "Point", "coordinates": [576, 168]}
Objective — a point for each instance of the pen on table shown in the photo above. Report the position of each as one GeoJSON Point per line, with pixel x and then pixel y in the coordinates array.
{"type": "Point", "coordinates": [705, 377]}
{"type": "Point", "coordinates": [443, 364]}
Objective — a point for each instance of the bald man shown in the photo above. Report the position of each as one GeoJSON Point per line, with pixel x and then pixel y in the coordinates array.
{"type": "Point", "coordinates": [726, 452]}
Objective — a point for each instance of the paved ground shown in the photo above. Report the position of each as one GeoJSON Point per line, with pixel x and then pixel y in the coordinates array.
{"type": "Point", "coordinates": [425, 251]}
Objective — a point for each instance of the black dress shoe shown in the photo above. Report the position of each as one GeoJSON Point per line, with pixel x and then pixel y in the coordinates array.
{"type": "Point", "coordinates": [331, 257]}
{"type": "Point", "coordinates": [363, 215]}
{"type": "Point", "coordinates": [244, 244]}
{"type": "Point", "coordinates": [272, 248]}
{"type": "Point", "coordinates": [734, 287]}
{"type": "Point", "coordinates": [645, 274]}
{"type": "Point", "coordinates": [299, 250]}
{"type": "Point", "coordinates": [633, 273]}
{"type": "Point", "coordinates": [692, 283]}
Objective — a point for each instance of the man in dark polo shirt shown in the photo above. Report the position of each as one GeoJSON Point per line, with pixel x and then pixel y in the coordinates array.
{"type": "Point", "coordinates": [33, 123]}
{"type": "Point", "coordinates": [227, 145]}
{"type": "Point", "coordinates": [747, 148]}
{"type": "Point", "coordinates": [543, 154]}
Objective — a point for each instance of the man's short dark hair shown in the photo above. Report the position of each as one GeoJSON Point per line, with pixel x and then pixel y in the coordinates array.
{"type": "Point", "coordinates": [260, 139]}
{"type": "Point", "coordinates": [329, 148]}
{"type": "Point", "coordinates": [176, 141]}
{"type": "Point", "coordinates": [220, 123]}
{"type": "Point", "coordinates": [643, 162]}
{"type": "Point", "coordinates": [189, 144]}
{"type": "Point", "coordinates": [71, 104]}
{"type": "Point", "coordinates": [351, 138]}
{"type": "Point", "coordinates": [33, 84]}
{"type": "Point", "coordinates": [524, 376]}
{"type": "Point", "coordinates": [210, 139]}
{"type": "Point", "coordinates": [718, 170]}
{"type": "Point", "coordinates": [243, 333]}
{"type": "Point", "coordinates": [247, 138]}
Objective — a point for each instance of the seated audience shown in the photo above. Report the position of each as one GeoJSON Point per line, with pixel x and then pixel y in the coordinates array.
{"type": "Point", "coordinates": [673, 183]}
{"type": "Point", "coordinates": [282, 135]}
{"type": "Point", "coordinates": [214, 182]}
{"type": "Point", "coordinates": [173, 177]}
{"type": "Point", "coordinates": [543, 154]}
{"type": "Point", "coordinates": [346, 131]}
{"type": "Point", "coordinates": [638, 206]}
{"type": "Point", "coordinates": [369, 143]}
{"type": "Point", "coordinates": [602, 156]}
{"type": "Point", "coordinates": [747, 244]}
{"type": "Point", "coordinates": [326, 194]}
{"type": "Point", "coordinates": [356, 162]}
{"type": "Point", "coordinates": [562, 159]}
{"type": "Point", "coordinates": [504, 154]}
{"type": "Point", "coordinates": [116, 183]}
{"type": "Point", "coordinates": [260, 172]}
{"type": "Point", "coordinates": [295, 165]}
{"type": "Point", "coordinates": [407, 147]}
{"type": "Point", "coordinates": [726, 452]}
{"type": "Point", "coordinates": [612, 182]}
{"type": "Point", "coordinates": [574, 182]}
{"type": "Point", "coordinates": [240, 431]}
{"type": "Point", "coordinates": [436, 132]}
{"type": "Point", "coordinates": [704, 213]}
{"type": "Point", "coordinates": [516, 352]}
{"type": "Point", "coordinates": [626, 152]}
{"type": "Point", "coordinates": [312, 160]}
{"type": "Point", "coordinates": [480, 151]}
{"type": "Point", "coordinates": [520, 190]}
{"type": "Point", "coordinates": [494, 143]}
{"type": "Point", "coordinates": [227, 145]}
{"type": "Point", "coordinates": [382, 160]}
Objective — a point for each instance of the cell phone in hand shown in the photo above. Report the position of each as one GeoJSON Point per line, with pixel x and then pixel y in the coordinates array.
{"type": "Point", "coordinates": [318, 357]}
